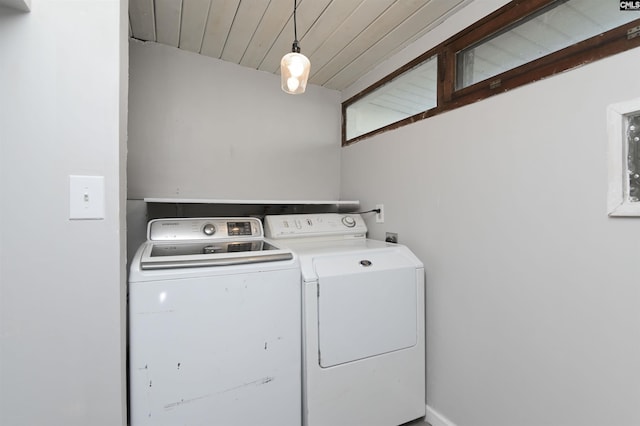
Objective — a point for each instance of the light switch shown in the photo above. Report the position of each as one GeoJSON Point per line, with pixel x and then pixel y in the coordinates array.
{"type": "Point", "coordinates": [86, 197]}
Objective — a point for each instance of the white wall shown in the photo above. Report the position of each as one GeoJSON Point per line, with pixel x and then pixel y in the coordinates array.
{"type": "Point", "coordinates": [203, 128]}
{"type": "Point", "coordinates": [62, 112]}
{"type": "Point", "coordinates": [532, 291]}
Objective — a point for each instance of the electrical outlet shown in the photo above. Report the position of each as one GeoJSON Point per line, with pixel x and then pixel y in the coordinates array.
{"type": "Point", "coordinates": [380, 216]}
{"type": "Point", "coordinates": [391, 237]}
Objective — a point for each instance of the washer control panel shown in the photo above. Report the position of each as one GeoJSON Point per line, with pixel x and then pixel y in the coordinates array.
{"type": "Point", "coordinates": [315, 225]}
{"type": "Point", "coordinates": [204, 228]}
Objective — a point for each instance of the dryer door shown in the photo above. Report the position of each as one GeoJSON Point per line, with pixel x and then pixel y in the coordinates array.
{"type": "Point", "coordinates": [367, 305]}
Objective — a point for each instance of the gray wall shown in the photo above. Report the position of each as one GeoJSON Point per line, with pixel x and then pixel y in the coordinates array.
{"type": "Point", "coordinates": [203, 128]}
{"type": "Point", "coordinates": [533, 293]}
{"type": "Point", "coordinates": [62, 288]}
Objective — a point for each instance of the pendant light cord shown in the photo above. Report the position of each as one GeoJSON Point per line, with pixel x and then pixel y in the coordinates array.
{"type": "Point", "coordinates": [295, 26]}
{"type": "Point", "coordinates": [295, 47]}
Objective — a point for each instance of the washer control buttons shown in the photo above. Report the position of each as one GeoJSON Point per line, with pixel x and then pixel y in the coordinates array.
{"type": "Point", "coordinates": [348, 221]}
{"type": "Point", "coordinates": [209, 229]}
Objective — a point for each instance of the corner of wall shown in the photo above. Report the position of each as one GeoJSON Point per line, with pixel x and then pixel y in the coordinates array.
{"type": "Point", "coordinates": [436, 419]}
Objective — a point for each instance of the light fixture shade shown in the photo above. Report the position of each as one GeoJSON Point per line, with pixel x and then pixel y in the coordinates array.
{"type": "Point", "coordinates": [294, 72]}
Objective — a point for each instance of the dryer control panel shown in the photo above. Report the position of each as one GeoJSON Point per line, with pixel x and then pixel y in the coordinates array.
{"type": "Point", "coordinates": [315, 225]}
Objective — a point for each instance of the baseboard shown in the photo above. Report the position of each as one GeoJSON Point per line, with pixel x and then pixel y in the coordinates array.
{"type": "Point", "coordinates": [436, 419]}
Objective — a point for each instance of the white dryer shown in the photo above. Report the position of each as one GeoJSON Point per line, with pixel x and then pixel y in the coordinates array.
{"type": "Point", "coordinates": [363, 322]}
{"type": "Point", "coordinates": [214, 326]}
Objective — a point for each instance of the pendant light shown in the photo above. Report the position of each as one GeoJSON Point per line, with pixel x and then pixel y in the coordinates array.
{"type": "Point", "coordinates": [294, 67]}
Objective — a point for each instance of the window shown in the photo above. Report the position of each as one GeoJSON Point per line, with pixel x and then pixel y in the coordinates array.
{"type": "Point", "coordinates": [409, 94]}
{"type": "Point", "coordinates": [623, 121]}
{"type": "Point", "coordinates": [521, 42]}
{"type": "Point", "coordinates": [555, 27]}
{"type": "Point", "coordinates": [633, 160]}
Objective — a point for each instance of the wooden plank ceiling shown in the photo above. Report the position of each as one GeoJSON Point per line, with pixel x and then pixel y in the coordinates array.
{"type": "Point", "coordinates": [343, 39]}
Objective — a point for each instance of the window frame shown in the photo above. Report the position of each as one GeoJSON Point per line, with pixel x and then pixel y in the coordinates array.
{"type": "Point", "coordinates": [592, 49]}
{"type": "Point", "coordinates": [618, 203]}
{"type": "Point", "coordinates": [403, 69]}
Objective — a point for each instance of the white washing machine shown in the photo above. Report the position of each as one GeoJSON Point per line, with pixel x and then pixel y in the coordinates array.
{"type": "Point", "coordinates": [363, 322]}
{"type": "Point", "coordinates": [214, 326]}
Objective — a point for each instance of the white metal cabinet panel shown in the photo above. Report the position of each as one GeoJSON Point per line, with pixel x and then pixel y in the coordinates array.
{"type": "Point", "coordinates": [367, 306]}
{"type": "Point", "coordinates": [216, 350]}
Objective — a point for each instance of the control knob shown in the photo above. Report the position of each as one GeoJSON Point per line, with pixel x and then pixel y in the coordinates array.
{"type": "Point", "coordinates": [209, 229]}
{"type": "Point", "coordinates": [348, 221]}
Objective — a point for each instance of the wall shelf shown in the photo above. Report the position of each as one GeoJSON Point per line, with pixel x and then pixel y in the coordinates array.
{"type": "Point", "coordinates": [200, 207]}
{"type": "Point", "coordinates": [338, 203]}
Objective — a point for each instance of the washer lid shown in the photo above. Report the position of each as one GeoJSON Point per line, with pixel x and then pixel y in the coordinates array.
{"type": "Point", "coordinates": [209, 247]}
{"type": "Point", "coordinates": [191, 255]}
